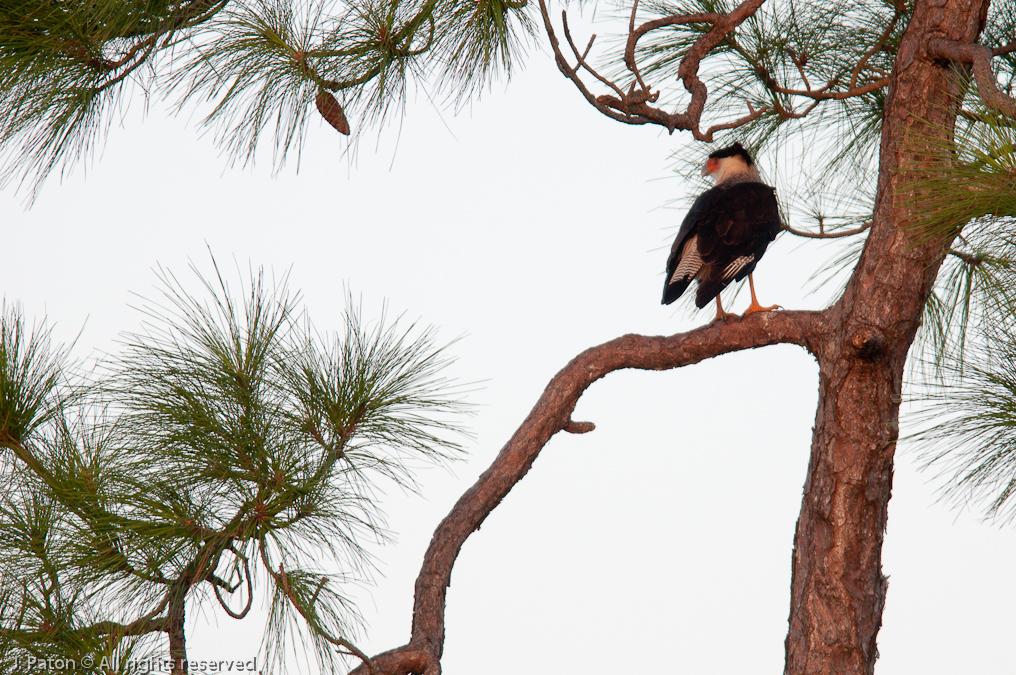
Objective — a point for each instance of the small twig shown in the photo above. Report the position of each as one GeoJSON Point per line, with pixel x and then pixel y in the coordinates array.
{"type": "Point", "coordinates": [799, 60]}
{"type": "Point", "coordinates": [968, 258]}
{"type": "Point", "coordinates": [629, 50]}
{"type": "Point", "coordinates": [428, 44]}
{"type": "Point", "coordinates": [634, 106]}
{"type": "Point", "coordinates": [283, 580]}
{"type": "Point", "coordinates": [127, 71]}
{"type": "Point", "coordinates": [572, 73]}
{"type": "Point", "coordinates": [334, 85]}
{"type": "Point", "coordinates": [824, 94]}
{"type": "Point", "coordinates": [581, 59]}
{"type": "Point", "coordinates": [753, 114]}
{"type": "Point", "coordinates": [979, 117]}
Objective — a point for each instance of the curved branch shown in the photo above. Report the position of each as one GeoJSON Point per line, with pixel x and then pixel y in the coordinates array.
{"type": "Point", "coordinates": [250, 594]}
{"type": "Point", "coordinates": [688, 70]}
{"type": "Point", "coordinates": [410, 659]}
{"type": "Point", "coordinates": [551, 414]}
{"type": "Point", "coordinates": [979, 57]}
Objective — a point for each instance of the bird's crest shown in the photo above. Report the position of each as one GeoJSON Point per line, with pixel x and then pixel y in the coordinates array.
{"type": "Point", "coordinates": [735, 150]}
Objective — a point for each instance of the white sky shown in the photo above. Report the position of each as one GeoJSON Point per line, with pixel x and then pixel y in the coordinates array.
{"type": "Point", "coordinates": [533, 227]}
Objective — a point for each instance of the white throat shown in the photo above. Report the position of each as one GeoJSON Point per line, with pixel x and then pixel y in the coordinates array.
{"type": "Point", "coordinates": [729, 168]}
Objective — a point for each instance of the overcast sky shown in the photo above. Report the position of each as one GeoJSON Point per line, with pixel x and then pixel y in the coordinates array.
{"type": "Point", "coordinates": [533, 228]}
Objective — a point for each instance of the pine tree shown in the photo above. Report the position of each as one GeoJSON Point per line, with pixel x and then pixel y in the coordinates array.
{"type": "Point", "coordinates": [912, 101]}
{"type": "Point", "coordinates": [230, 444]}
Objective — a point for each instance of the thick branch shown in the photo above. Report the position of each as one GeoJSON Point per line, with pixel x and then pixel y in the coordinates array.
{"type": "Point", "coordinates": [979, 57]}
{"type": "Point", "coordinates": [552, 414]}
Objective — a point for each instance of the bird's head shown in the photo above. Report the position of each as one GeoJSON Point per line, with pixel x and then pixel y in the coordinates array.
{"type": "Point", "coordinates": [728, 162]}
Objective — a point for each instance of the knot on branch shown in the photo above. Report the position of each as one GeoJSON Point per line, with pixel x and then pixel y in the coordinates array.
{"type": "Point", "coordinates": [302, 67]}
{"type": "Point", "coordinates": [579, 427]}
{"type": "Point", "coordinates": [868, 344]}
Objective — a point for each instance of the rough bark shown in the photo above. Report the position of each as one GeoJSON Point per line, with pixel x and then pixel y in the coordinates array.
{"type": "Point", "coordinates": [838, 590]}
{"type": "Point", "coordinates": [176, 614]}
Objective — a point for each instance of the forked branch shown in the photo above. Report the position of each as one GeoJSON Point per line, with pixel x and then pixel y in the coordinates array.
{"type": "Point", "coordinates": [634, 104]}
{"type": "Point", "coordinates": [552, 414]}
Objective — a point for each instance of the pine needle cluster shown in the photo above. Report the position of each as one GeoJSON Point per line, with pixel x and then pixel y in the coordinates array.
{"type": "Point", "coordinates": [67, 67]}
{"type": "Point", "coordinates": [229, 446]}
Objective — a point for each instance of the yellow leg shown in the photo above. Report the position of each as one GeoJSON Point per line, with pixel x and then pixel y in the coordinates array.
{"type": "Point", "coordinates": [720, 314]}
{"type": "Point", "coordinates": [754, 306]}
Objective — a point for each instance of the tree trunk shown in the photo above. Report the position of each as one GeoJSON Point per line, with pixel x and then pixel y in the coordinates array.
{"type": "Point", "coordinates": [177, 637]}
{"type": "Point", "coordinates": [838, 589]}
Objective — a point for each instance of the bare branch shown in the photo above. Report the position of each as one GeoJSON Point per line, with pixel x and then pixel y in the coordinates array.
{"type": "Point", "coordinates": [633, 106]}
{"type": "Point", "coordinates": [581, 59]}
{"type": "Point", "coordinates": [552, 414]}
{"type": "Point", "coordinates": [800, 60]}
{"type": "Point", "coordinates": [979, 57]}
{"type": "Point", "coordinates": [824, 94]}
{"type": "Point", "coordinates": [1004, 49]}
{"type": "Point", "coordinates": [968, 258]}
{"type": "Point", "coordinates": [836, 234]}
{"type": "Point", "coordinates": [250, 592]}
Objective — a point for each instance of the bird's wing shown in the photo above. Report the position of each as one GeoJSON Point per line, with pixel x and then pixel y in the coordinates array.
{"type": "Point", "coordinates": [684, 261]}
{"type": "Point", "coordinates": [735, 225]}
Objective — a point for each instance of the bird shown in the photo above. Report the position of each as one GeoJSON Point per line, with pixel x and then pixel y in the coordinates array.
{"type": "Point", "coordinates": [725, 232]}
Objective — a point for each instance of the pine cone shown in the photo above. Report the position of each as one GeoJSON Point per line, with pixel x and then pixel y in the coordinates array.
{"type": "Point", "coordinates": [331, 111]}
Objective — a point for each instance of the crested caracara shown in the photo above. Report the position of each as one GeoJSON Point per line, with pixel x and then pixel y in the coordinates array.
{"type": "Point", "coordinates": [725, 233]}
